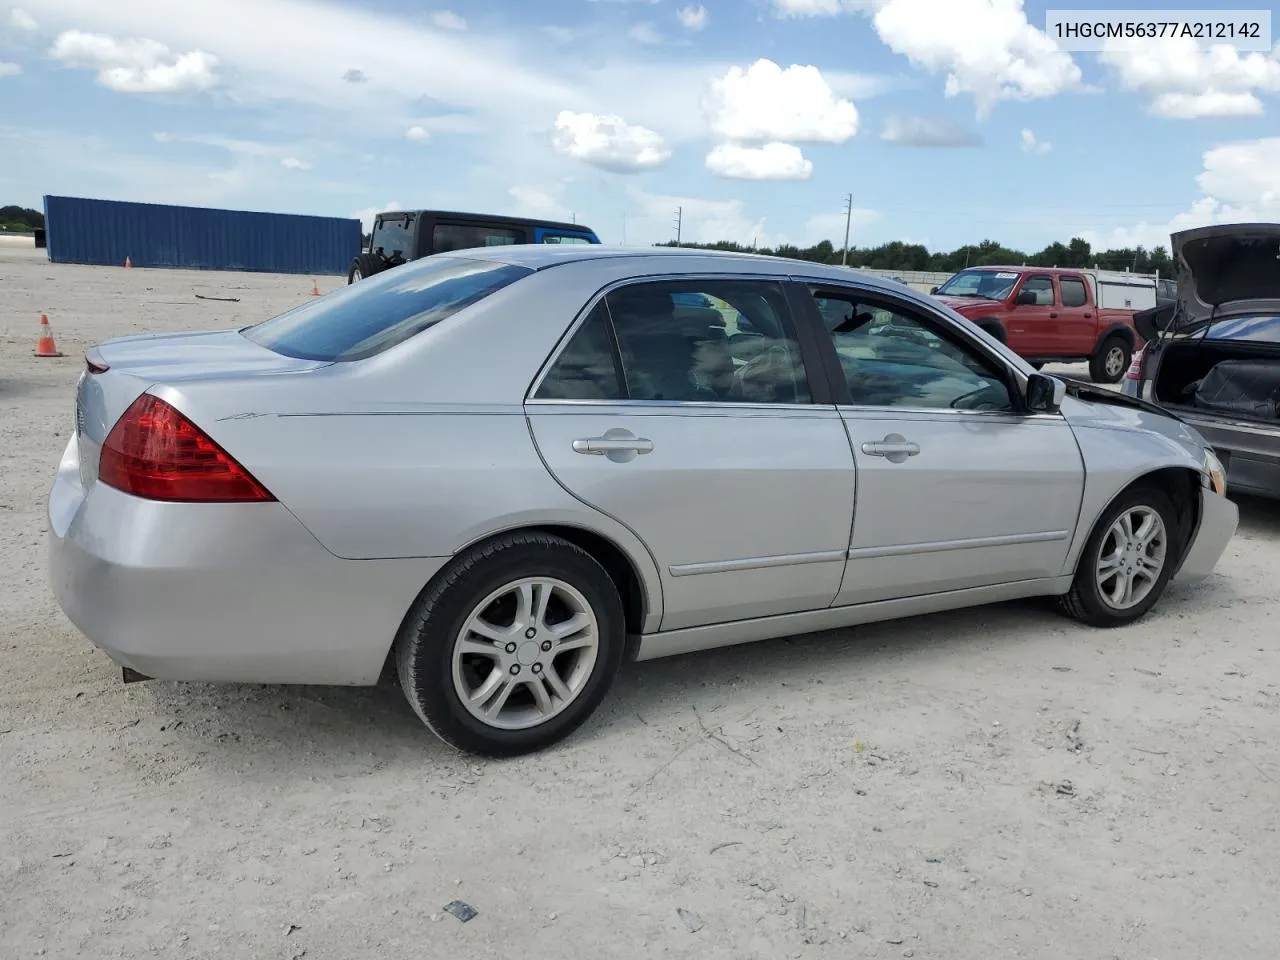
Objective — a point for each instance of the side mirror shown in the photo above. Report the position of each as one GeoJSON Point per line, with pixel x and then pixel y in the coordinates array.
{"type": "Point", "coordinates": [932, 291]}
{"type": "Point", "coordinates": [1045, 394]}
{"type": "Point", "coordinates": [1027, 298]}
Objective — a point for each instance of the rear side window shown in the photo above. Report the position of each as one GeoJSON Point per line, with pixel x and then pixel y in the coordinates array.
{"type": "Point", "coordinates": [1073, 292]}
{"type": "Point", "coordinates": [564, 238]}
{"type": "Point", "coordinates": [368, 317]}
{"type": "Point", "coordinates": [457, 236]}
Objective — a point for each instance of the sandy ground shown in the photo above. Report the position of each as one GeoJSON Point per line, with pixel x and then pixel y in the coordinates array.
{"type": "Point", "coordinates": [993, 783]}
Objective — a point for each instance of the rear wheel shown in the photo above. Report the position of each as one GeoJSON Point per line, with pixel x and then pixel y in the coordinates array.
{"type": "Point", "coordinates": [1110, 360]}
{"type": "Point", "coordinates": [365, 265]}
{"type": "Point", "coordinates": [514, 646]}
{"type": "Point", "coordinates": [1127, 561]}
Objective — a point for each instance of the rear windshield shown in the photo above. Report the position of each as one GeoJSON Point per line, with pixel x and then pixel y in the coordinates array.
{"type": "Point", "coordinates": [1255, 329]}
{"type": "Point", "coordinates": [376, 313]}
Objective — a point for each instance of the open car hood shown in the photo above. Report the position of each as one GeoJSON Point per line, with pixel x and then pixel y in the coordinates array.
{"type": "Point", "coordinates": [1230, 267]}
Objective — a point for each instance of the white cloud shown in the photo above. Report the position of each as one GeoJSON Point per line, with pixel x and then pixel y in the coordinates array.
{"type": "Point", "coordinates": [772, 161]}
{"type": "Point", "coordinates": [987, 48]}
{"type": "Point", "coordinates": [355, 76]}
{"type": "Point", "coordinates": [1240, 183]}
{"type": "Point", "coordinates": [136, 65]}
{"type": "Point", "coordinates": [539, 202]}
{"type": "Point", "coordinates": [609, 142]}
{"type": "Point", "coordinates": [692, 17]}
{"type": "Point", "coordinates": [366, 215]}
{"type": "Point", "coordinates": [293, 163]}
{"type": "Point", "coordinates": [19, 19]}
{"type": "Point", "coordinates": [767, 103]}
{"type": "Point", "coordinates": [927, 132]}
{"type": "Point", "coordinates": [644, 33]}
{"type": "Point", "coordinates": [418, 134]}
{"type": "Point", "coordinates": [1031, 145]}
{"type": "Point", "coordinates": [9, 69]}
{"type": "Point", "coordinates": [448, 20]}
{"type": "Point", "coordinates": [1188, 81]}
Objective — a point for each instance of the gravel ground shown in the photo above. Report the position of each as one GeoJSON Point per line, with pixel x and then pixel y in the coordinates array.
{"type": "Point", "coordinates": [992, 783]}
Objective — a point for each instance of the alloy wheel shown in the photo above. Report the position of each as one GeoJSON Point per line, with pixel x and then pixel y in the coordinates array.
{"type": "Point", "coordinates": [1131, 557]}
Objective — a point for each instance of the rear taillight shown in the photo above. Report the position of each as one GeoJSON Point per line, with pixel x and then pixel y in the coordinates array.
{"type": "Point", "coordinates": [1135, 365]}
{"type": "Point", "coordinates": [156, 453]}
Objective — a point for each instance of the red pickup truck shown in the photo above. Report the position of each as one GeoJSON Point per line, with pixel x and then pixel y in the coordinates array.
{"type": "Point", "coordinates": [1046, 316]}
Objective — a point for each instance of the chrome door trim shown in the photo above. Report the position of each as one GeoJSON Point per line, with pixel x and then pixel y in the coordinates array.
{"type": "Point", "coordinates": [755, 563]}
{"type": "Point", "coordinates": [970, 543]}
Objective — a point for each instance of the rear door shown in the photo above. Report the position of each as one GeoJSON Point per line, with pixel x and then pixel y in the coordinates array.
{"type": "Point", "coordinates": [1079, 321]}
{"type": "Point", "coordinates": [957, 488]}
{"type": "Point", "coordinates": [691, 412]}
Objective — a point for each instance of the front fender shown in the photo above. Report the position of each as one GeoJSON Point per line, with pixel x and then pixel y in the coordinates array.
{"type": "Point", "coordinates": [1114, 458]}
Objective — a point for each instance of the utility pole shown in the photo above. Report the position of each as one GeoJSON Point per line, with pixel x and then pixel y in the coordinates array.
{"type": "Point", "coordinates": [848, 218]}
{"type": "Point", "coordinates": [679, 223]}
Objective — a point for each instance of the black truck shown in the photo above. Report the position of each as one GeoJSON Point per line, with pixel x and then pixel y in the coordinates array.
{"type": "Point", "coordinates": [399, 236]}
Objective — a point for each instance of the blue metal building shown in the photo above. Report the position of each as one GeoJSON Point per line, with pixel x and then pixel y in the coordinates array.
{"type": "Point", "coordinates": [197, 238]}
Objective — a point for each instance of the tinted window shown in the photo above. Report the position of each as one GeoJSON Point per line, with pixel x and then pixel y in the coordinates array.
{"type": "Point", "coordinates": [1255, 329]}
{"type": "Point", "coordinates": [394, 238]}
{"type": "Point", "coordinates": [1073, 293]}
{"type": "Point", "coordinates": [365, 318]}
{"type": "Point", "coordinates": [1042, 287]}
{"type": "Point", "coordinates": [456, 236]}
{"type": "Point", "coordinates": [586, 369]}
{"type": "Point", "coordinates": [894, 359]}
{"type": "Point", "coordinates": [563, 238]}
{"type": "Point", "coordinates": [738, 348]}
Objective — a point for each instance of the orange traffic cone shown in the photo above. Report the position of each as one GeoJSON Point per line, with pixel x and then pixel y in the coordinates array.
{"type": "Point", "coordinates": [128, 263]}
{"type": "Point", "coordinates": [315, 291]}
{"type": "Point", "coordinates": [46, 346]}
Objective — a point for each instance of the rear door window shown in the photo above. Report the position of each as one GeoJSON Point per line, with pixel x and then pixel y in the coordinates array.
{"type": "Point", "coordinates": [463, 236]}
{"type": "Point", "coordinates": [1073, 292]}
{"type": "Point", "coordinates": [368, 317]}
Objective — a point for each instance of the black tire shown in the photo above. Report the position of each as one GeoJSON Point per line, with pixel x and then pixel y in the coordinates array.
{"type": "Point", "coordinates": [424, 648]}
{"type": "Point", "coordinates": [365, 265]}
{"type": "Point", "coordinates": [1114, 351]}
{"type": "Point", "coordinates": [994, 328]}
{"type": "Point", "coordinates": [1085, 601]}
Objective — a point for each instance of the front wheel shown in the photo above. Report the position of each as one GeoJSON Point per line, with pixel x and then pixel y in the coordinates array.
{"type": "Point", "coordinates": [513, 646]}
{"type": "Point", "coordinates": [1110, 360]}
{"type": "Point", "coordinates": [1127, 561]}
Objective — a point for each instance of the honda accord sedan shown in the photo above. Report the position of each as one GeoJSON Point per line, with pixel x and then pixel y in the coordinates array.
{"type": "Point", "coordinates": [1213, 354]}
{"type": "Point", "coordinates": [507, 471]}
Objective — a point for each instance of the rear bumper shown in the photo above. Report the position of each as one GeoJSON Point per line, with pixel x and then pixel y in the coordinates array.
{"type": "Point", "coordinates": [1250, 452]}
{"type": "Point", "coordinates": [220, 592]}
{"type": "Point", "coordinates": [1219, 518]}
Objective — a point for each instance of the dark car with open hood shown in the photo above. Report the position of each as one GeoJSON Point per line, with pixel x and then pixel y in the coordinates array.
{"type": "Point", "coordinates": [1212, 356]}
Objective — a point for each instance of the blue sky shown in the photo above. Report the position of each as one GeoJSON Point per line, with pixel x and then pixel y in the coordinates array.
{"type": "Point", "coordinates": [949, 121]}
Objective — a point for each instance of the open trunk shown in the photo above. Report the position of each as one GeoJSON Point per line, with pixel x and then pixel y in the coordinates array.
{"type": "Point", "coordinates": [1225, 378]}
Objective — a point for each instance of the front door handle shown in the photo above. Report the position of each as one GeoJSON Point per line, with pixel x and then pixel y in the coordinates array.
{"type": "Point", "coordinates": [1054, 315]}
{"type": "Point", "coordinates": [617, 444]}
{"type": "Point", "coordinates": [895, 448]}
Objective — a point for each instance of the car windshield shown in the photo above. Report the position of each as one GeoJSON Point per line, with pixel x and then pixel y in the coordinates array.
{"type": "Point", "coordinates": [365, 318]}
{"type": "Point", "coordinates": [1254, 329]}
{"type": "Point", "coordinates": [989, 284]}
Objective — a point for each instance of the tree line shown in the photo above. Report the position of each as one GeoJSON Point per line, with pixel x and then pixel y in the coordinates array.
{"type": "Point", "coordinates": [20, 219]}
{"type": "Point", "coordinates": [1077, 254]}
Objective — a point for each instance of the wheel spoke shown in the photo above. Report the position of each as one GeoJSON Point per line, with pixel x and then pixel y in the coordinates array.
{"type": "Point", "coordinates": [488, 630]}
{"type": "Point", "coordinates": [524, 607]}
{"type": "Point", "coordinates": [552, 676]}
{"type": "Point", "coordinates": [1108, 565]}
{"type": "Point", "coordinates": [481, 694]}
{"type": "Point", "coordinates": [494, 706]}
{"type": "Point", "coordinates": [482, 649]}
{"type": "Point", "coordinates": [566, 629]}
{"type": "Point", "coordinates": [580, 642]}
{"type": "Point", "coordinates": [542, 598]}
{"type": "Point", "coordinates": [541, 698]}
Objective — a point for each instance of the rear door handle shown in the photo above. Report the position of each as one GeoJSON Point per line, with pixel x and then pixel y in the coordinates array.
{"type": "Point", "coordinates": [620, 446]}
{"type": "Point", "coordinates": [895, 448]}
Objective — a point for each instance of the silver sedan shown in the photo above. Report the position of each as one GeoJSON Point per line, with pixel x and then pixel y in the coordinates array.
{"type": "Point", "coordinates": [508, 471]}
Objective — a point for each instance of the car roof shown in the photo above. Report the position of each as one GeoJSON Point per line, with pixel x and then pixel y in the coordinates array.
{"type": "Point", "coordinates": [540, 256]}
{"type": "Point", "coordinates": [490, 218]}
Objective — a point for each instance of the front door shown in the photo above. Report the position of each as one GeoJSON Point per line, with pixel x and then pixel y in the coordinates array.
{"type": "Point", "coordinates": [684, 411]}
{"type": "Point", "coordinates": [956, 487]}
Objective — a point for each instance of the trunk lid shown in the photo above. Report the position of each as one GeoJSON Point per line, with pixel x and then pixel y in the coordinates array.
{"type": "Point", "coordinates": [1232, 267]}
{"type": "Point", "coordinates": [122, 369]}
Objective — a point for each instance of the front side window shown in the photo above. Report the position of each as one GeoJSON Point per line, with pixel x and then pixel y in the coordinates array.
{"type": "Point", "coordinates": [892, 358]}
{"type": "Point", "coordinates": [1041, 288]}
{"type": "Point", "coordinates": [1073, 292]}
{"type": "Point", "coordinates": [456, 236]}
{"type": "Point", "coordinates": [365, 318]}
